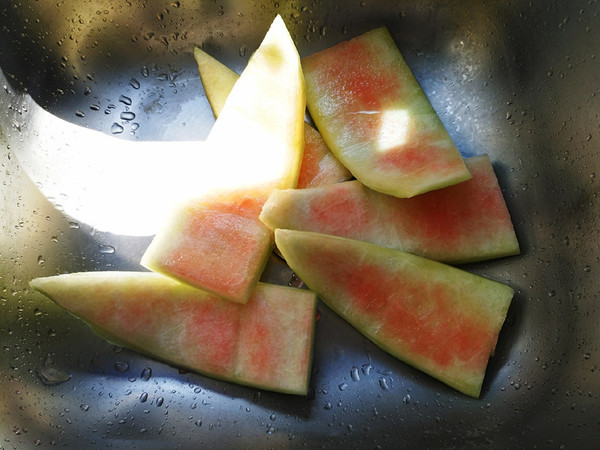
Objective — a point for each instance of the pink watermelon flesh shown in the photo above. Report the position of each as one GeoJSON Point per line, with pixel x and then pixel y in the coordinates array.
{"type": "Point", "coordinates": [319, 166]}
{"type": "Point", "coordinates": [266, 343]}
{"type": "Point", "coordinates": [462, 223]}
{"type": "Point", "coordinates": [376, 119]}
{"type": "Point", "coordinates": [437, 318]}
{"type": "Point", "coordinates": [216, 245]}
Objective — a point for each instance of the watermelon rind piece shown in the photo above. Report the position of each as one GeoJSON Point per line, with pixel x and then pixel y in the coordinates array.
{"type": "Point", "coordinates": [463, 223]}
{"type": "Point", "coordinates": [214, 243]}
{"type": "Point", "coordinates": [319, 165]}
{"type": "Point", "coordinates": [439, 319]}
{"type": "Point", "coordinates": [259, 133]}
{"type": "Point", "coordinates": [376, 118]}
{"type": "Point", "coordinates": [266, 343]}
{"type": "Point", "coordinates": [217, 79]}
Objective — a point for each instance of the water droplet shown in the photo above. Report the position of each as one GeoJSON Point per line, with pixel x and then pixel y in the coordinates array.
{"type": "Point", "coordinates": [198, 423]}
{"type": "Point", "coordinates": [587, 268]}
{"type": "Point", "coordinates": [342, 386]}
{"type": "Point", "coordinates": [243, 50]}
{"type": "Point", "coordinates": [121, 366]}
{"type": "Point", "coordinates": [383, 384]}
{"type": "Point", "coordinates": [84, 407]}
{"type": "Point", "coordinates": [95, 107]}
{"type": "Point", "coordinates": [125, 100]}
{"type": "Point", "coordinates": [146, 374]}
{"type": "Point", "coordinates": [354, 374]}
{"type": "Point", "coordinates": [366, 368]}
{"type": "Point", "coordinates": [145, 71]}
{"type": "Point", "coordinates": [144, 397]}
{"type": "Point", "coordinates": [40, 260]}
{"type": "Point", "coordinates": [135, 126]}
{"type": "Point", "coordinates": [87, 90]}
{"type": "Point", "coordinates": [106, 249]}
{"type": "Point", "coordinates": [134, 83]}
{"type": "Point", "coordinates": [508, 115]}
{"type": "Point", "coordinates": [51, 375]}
{"type": "Point", "coordinates": [328, 406]}
{"type": "Point", "coordinates": [127, 115]}
{"type": "Point", "coordinates": [79, 113]}
{"type": "Point", "coordinates": [160, 401]}
{"type": "Point", "coordinates": [295, 281]}
{"type": "Point", "coordinates": [116, 128]}
{"type": "Point", "coordinates": [587, 356]}
{"type": "Point", "coordinates": [551, 293]}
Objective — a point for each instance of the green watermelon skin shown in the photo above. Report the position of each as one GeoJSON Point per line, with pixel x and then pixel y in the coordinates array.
{"type": "Point", "coordinates": [437, 318]}
{"type": "Point", "coordinates": [266, 343]}
{"type": "Point", "coordinates": [376, 119]}
{"type": "Point", "coordinates": [462, 223]}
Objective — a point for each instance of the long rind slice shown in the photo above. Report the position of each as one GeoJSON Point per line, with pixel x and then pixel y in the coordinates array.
{"type": "Point", "coordinates": [458, 224]}
{"type": "Point", "coordinates": [266, 343]}
{"type": "Point", "coordinates": [259, 133]}
{"type": "Point", "coordinates": [437, 318]}
{"type": "Point", "coordinates": [376, 119]}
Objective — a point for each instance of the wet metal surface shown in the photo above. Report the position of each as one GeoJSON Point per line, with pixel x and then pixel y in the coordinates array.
{"type": "Point", "coordinates": [518, 80]}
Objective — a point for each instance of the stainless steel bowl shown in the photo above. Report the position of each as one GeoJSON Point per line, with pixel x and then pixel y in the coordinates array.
{"type": "Point", "coordinates": [518, 80]}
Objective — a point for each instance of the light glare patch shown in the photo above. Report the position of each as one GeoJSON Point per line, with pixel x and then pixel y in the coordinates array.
{"type": "Point", "coordinates": [393, 131]}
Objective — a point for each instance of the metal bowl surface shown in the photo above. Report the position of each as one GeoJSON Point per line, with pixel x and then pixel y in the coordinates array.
{"type": "Point", "coordinates": [518, 80]}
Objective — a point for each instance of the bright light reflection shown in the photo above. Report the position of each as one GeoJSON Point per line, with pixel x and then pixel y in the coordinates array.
{"type": "Point", "coordinates": [393, 130]}
{"type": "Point", "coordinates": [127, 187]}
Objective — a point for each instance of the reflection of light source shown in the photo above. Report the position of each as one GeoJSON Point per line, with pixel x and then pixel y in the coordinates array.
{"type": "Point", "coordinates": [393, 129]}
{"type": "Point", "coordinates": [111, 184]}
{"type": "Point", "coordinates": [127, 187]}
